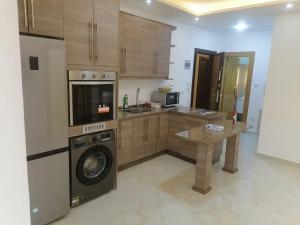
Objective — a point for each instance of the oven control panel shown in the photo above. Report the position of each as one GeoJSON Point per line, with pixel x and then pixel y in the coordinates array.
{"type": "Point", "coordinates": [91, 75]}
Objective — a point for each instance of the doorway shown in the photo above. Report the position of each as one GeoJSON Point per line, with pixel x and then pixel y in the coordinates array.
{"type": "Point", "coordinates": [237, 78]}
{"type": "Point", "coordinates": [216, 79]}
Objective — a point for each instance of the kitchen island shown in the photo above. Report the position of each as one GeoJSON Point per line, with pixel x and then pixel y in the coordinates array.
{"type": "Point", "coordinates": [205, 140]}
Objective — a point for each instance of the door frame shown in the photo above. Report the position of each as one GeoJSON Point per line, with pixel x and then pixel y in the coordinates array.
{"type": "Point", "coordinates": [195, 69]}
{"type": "Point", "coordinates": [251, 56]}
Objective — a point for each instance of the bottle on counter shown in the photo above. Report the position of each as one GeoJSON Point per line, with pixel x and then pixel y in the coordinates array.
{"type": "Point", "coordinates": [125, 102]}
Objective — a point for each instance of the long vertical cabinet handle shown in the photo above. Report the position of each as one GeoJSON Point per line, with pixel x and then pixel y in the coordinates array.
{"type": "Point", "coordinates": [91, 51]}
{"type": "Point", "coordinates": [147, 126]}
{"type": "Point", "coordinates": [96, 42]}
{"type": "Point", "coordinates": [144, 130]}
{"type": "Point", "coordinates": [25, 13]}
{"type": "Point", "coordinates": [32, 14]}
{"type": "Point", "coordinates": [125, 60]}
{"type": "Point", "coordinates": [158, 127]}
{"type": "Point", "coordinates": [154, 67]}
{"type": "Point", "coordinates": [157, 55]}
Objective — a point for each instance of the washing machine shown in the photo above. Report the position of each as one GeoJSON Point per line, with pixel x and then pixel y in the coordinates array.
{"type": "Point", "coordinates": [93, 166]}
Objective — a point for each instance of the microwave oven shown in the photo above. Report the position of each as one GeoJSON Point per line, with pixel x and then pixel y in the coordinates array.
{"type": "Point", "coordinates": [167, 99]}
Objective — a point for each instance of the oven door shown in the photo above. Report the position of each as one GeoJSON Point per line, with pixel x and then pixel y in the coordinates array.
{"type": "Point", "coordinates": [91, 102]}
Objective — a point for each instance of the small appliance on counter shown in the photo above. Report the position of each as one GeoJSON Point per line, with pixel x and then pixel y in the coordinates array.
{"type": "Point", "coordinates": [166, 99]}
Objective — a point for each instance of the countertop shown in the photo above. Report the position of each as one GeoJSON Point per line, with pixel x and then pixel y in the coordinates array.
{"type": "Point", "coordinates": [202, 135]}
{"type": "Point", "coordinates": [194, 112]}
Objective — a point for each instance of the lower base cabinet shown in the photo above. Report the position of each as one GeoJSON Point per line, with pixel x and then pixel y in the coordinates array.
{"type": "Point", "coordinates": [144, 136]}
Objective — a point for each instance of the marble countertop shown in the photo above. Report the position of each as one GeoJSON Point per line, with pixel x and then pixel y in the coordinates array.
{"type": "Point", "coordinates": [180, 110]}
{"type": "Point", "coordinates": [202, 135]}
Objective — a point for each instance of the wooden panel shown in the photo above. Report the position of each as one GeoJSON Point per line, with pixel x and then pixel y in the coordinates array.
{"type": "Point", "coordinates": [46, 17]}
{"type": "Point", "coordinates": [106, 17]}
{"type": "Point", "coordinates": [189, 149]}
{"type": "Point", "coordinates": [138, 138]}
{"type": "Point", "coordinates": [23, 27]}
{"type": "Point", "coordinates": [151, 135]}
{"type": "Point", "coordinates": [77, 16]}
{"type": "Point", "coordinates": [130, 44]}
{"type": "Point", "coordinates": [149, 48]}
{"type": "Point", "coordinates": [164, 45]}
{"type": "Point", "coordinates": [162, 132]}
{"type": "Point", "coordinates": [125, 142]}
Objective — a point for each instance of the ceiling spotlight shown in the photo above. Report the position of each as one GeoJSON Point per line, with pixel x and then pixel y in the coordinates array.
{"type": "Point", "coordinates": [149, 1]}
{"type": "Point", "coordinates": [197, 19]}
{"type": "Point", "coordinates": [241, 26]}
{"type": "Point", "coordinates": [289, 5]}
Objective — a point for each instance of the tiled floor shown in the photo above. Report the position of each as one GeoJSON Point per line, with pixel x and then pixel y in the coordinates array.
{"type": "Point", "coordinates": [264, 192]}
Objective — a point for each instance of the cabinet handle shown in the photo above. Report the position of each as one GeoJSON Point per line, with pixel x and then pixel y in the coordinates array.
{"type": "Point", "coordinates": [158, 127]}
{"type": "Point", "coordinates": [91, 52]}
{"type": "Point", "coordinates": [25, 13]}
{"type": "Point", "coordinates": [157, 55]}
{"type": "Point", "coordinates": [96, 41]}
{"type": "Point", "coordinates": [120, 136]}
{"type": "Point", "coordinates": [125, 60]}
{"type": "Point", "coordinates": [154, 67]}
{"type": "Point", "coordinates": [32, 14]}
{"type": "Point", "coordinates": [122, 61]}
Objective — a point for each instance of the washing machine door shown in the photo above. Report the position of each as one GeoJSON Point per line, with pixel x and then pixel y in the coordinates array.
{"type": "Point", "coordinates": [94, 165]}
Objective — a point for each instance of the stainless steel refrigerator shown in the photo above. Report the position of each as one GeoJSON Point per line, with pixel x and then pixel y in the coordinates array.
{"type": "Point", "coordinates": [46, 123]}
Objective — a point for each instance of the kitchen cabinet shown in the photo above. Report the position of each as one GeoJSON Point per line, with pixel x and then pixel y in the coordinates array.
{"type": "Point", "coordinates": [150, 135]}
{"type": "Point", "coordinates": [162, 131]}
{"type": "Point", "coordinates": [145, 48]}
{"type": "Point", "coordinates": [41, 17]}
{"type": "Point", "coordinates": [125, 142]}
{"type": "Point", "coordinates": [92, 33]}
{"type": "Point", "coordinates": [138, 138]}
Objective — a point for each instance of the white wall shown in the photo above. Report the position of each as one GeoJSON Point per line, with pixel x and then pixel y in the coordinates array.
{"type": "Point", "coordinates": [259, 42]}
{"type": "Point", "coordinates": [186, 38]}
{"type": "Point", "coordinates": [280, 129]}
{"type": "Point", "coordinates": [14, 206]}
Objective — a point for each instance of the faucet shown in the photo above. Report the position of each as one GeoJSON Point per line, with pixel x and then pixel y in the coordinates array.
{"type": "Point", "coordinates": [137, 97]}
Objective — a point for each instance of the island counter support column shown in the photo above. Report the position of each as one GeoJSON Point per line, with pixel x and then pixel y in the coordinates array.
{"type": "Point", "coordinates": [203, 168]}
{"type": "Point", "coordinates": [232, 153]}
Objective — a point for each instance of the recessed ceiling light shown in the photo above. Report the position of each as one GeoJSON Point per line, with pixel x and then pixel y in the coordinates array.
{"type": "Point", "coordinates": [289, 5]}
{"type": "Point", "coordinates": [197, 19]}
{"type": "Point", "coordinates": [241, 26]}
{"type": "Point", "coordinates": [149, 1]}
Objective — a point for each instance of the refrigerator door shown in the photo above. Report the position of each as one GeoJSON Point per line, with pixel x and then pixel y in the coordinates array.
{"type": "Point", "coordinates": [48, 179]}
{"type": "Point", "coordinates": [45, 94]}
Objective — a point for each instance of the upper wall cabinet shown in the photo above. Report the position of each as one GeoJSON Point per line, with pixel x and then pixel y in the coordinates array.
{"type": "Point", "coordinates": [41, 17]}
{"type": "Point", "coordinates": [91, 33]}
{"type": "Point", "coordinates": [145, 48]}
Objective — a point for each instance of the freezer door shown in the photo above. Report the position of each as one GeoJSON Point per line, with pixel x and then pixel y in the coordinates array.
{"type": "Point", "coordinates": [49, 188]}
{"type": "Point", "coordinates": [45, 87]}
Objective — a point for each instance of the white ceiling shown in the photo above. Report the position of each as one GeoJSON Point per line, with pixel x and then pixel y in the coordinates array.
{"type": "Point", "coordinates": [260, 18]}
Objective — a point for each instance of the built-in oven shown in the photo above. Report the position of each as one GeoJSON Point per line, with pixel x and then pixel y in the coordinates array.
{"type": "Point", "coordinates": [92, 97]}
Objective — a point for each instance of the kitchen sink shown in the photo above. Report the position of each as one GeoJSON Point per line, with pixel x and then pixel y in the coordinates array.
{"type": "Point", "coordinates": [139, 110]}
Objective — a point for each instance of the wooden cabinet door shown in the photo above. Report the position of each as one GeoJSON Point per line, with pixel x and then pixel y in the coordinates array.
{"type": "Point", "coordinates": [78, 18]}
{"type": "Point", "coordinates": [138, 138]}
{"type": "Point", "coordinates": [162, 132]}
{"type": "Point", "coordinates": [151, 135]}
{"type": "Point", "coordinates": [149, 34]}
{"type": "Point", "coordinates": [46, 17]}
{"type": "Point", "coordinates": [163, 51]}
{"type": "Point", "coordinates": [23, 16]}
{"type": "Point", "coordinates": [106, 30]}
{"type": "Point", "coordinates": [130, 45]}
{"type": "Point", "coordinates": [125, 142]}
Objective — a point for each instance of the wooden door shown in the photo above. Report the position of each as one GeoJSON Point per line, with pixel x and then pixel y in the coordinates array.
{"type": "Point", "coordinates": [148, 61]}
{"type": "Point", "coordinates": [138, 138]}
{"type": "Point", "coordinates": [106, 30]}
{"type": "Point", "coordinates": [130, 45]}
{"type": "Point", "coordinates": [46, 17]}
{"type": "Point", "coordinates": [151, 135]}
{"type": "Point", "coordinates": [216, 81]}
{"type": "Point", "coordinates": [78, 19]}
{"type": "Point", "coordinates": [125, 142]}
{"type": "Point", "coordinates": [163, 51]}
{"type": "Point", "coordinates": [162, 132]}
{"type": "Point", "coordinates": [23, 16]}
